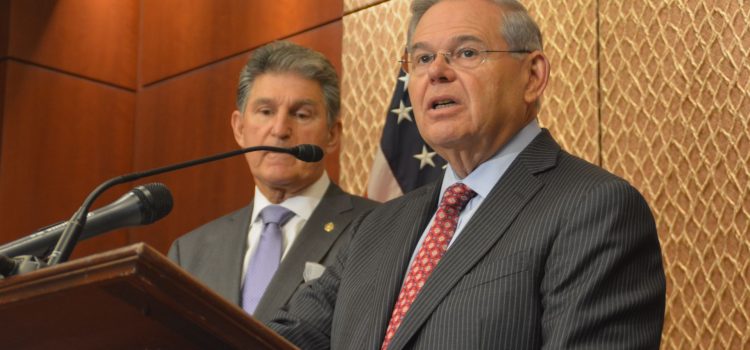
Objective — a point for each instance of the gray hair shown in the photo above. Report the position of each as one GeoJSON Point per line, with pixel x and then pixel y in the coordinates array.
{"type": "Point", "coordinates": [286, 57]}
{"type": "Point", "coordinates": [518, 28]}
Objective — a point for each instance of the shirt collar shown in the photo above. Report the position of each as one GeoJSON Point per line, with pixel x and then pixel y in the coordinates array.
{"type": "Point", "coordinates": [301, 204]}
{"type": "Point", "coordinates": [487, 174]}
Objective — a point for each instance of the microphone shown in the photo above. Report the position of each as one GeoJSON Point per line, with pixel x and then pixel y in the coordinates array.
{"type": "Point", "coordinates": [307, 153]}
{"type": "Point", "coordinates": [74, 227]}
{"type": "Point", "coordinates": [141, 206]}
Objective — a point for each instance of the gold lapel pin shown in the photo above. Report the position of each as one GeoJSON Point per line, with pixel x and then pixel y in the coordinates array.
{"type": "Point", "coordinates": [328, 227]}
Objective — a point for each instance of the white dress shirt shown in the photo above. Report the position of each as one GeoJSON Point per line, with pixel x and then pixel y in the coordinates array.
{"type": "Point", "coordinates": [302, 205]}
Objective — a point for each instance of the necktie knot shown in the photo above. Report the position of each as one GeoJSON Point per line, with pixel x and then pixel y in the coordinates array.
{"type": "Point", "coordinates": [275, 214]}
{"type": "Point", "coordinates": [456, 196]}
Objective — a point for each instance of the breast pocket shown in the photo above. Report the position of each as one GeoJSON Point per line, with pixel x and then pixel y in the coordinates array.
{"type": "Point", "coordinates": [494, 269]}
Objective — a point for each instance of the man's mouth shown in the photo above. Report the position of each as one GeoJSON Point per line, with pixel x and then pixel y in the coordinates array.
{"type": "Point", "coordinates": [443, 104]}
{"type": "Point", "coordinates": [277, 155]}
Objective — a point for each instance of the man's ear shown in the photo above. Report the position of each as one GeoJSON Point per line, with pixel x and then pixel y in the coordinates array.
{"type": "Point", "coordinates": [538, 68]}
{"type": "Point", "coordinates": [334, 137]}
{"type": "Point", "coordinates": [238, 125]}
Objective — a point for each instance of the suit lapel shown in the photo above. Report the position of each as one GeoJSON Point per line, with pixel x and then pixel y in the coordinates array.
{"type": "Point", "coordinates": [312, 244]}
{"type": "Point", "coordinates": [509, 196]}
{"type": "Point", "coordinates": [392, 277]}
{"type": "Point", "coordinates": [231, 254]}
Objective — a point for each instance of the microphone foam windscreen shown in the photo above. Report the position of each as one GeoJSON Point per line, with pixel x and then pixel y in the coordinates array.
{"type": "Point", "coordinates": [308, 153]}
{"type": "Point", "coordinates": [156, 199]}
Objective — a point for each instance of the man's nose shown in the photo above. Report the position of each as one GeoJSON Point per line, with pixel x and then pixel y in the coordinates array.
{"type": "Point", "coordinates": [440, 68]}
{"type": "Point", "coordinates": [281, 125]}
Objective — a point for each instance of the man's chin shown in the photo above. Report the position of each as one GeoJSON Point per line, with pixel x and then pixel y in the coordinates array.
{"type": "Point", "coordinates": [283, 171]}
{"type": "Point", "coordinates": [285, 181]}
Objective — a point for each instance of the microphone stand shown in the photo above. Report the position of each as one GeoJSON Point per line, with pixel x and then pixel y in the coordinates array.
{"type": "Point", "coordinates": [73, 229]}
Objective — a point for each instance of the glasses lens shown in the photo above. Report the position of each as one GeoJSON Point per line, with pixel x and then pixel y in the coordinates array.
{"type": "Point", "coordinates": [467, 57]}
{"type": "Point", "coordinates": [463, 57]}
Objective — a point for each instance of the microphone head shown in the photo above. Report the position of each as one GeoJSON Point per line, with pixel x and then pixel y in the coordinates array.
{"type": "Point", "coordinates": [156, 201]}
{"type": "Point", "coordinates": [307, 153]}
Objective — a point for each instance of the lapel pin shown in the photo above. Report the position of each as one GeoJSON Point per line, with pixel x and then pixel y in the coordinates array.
{"type": "Point", "coordinates": [328, 227]}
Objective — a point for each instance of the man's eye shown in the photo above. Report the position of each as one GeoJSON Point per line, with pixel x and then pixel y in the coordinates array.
{"type": "Point", "coordinates": [265, 111]}
{"type": "Point", "coordinates": [467, 53]}
{"type": "Point", "coordinates": [424, 58]}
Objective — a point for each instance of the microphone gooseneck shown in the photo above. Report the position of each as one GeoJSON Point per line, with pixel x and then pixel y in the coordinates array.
{"type": "Point", "coordinates": [73, 229]}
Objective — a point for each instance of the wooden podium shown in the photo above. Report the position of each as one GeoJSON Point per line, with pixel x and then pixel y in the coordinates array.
{"type": "Point", "coordinates": [128, 298]}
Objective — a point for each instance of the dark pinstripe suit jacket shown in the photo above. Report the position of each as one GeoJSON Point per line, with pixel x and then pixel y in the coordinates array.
{"type": "Point", "coordinates": [214, 252]}
{"type": "Point", "coordinates": [561, 254]}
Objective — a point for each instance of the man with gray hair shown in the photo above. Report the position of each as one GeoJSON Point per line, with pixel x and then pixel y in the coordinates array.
{"type": "Point", "coordinates": [259, 255]}
{"type": "Point", "coordinates": [519, 246]}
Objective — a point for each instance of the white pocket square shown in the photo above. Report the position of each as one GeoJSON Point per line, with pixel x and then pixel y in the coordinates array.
{"type": "Point", "coordinates": [312, 271]}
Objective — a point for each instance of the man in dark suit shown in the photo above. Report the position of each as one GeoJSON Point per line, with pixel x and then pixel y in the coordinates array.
{"type": "Point", "coordinates": [287, 95]}
{"type": "Point", "coordinates": [520, 245]}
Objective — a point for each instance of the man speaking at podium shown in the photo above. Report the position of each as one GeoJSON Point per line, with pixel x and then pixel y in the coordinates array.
{"type": "Point", "coordinates": [259, 255]}
{"type": "Point", "coordinates": [520, 245]}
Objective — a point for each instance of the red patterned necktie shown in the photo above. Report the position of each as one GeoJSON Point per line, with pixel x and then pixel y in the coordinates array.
{"type": "Point", "coordinates": [434, 246]}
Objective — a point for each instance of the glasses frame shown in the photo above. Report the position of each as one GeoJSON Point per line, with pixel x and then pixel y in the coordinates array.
{"type": "Point", "coordinates": [447, 55]}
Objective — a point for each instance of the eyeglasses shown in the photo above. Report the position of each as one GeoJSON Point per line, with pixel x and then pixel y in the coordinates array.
{"type": "Point", "coordinates": [466, 57]}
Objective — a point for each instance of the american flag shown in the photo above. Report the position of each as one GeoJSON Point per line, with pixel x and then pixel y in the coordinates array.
{"type": "Point", "coordinates": [404, 161]}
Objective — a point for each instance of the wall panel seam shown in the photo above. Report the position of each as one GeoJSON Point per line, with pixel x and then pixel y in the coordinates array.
{"type": "Point", "coordinates": [232, 56]}
{"type": "Point", "coordinates": [70, 74]}
{"type": "Point", "coordinates": [599, 95]}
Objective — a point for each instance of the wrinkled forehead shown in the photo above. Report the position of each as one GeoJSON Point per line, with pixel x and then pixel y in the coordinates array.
{"type": "Point", "coordinates": [451, 23]}
{"type": "Point", "coordinates": [285, 88]}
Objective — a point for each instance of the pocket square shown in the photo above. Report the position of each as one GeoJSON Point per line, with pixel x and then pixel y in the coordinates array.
{"type": "Point", "coordinates": [312, 271]}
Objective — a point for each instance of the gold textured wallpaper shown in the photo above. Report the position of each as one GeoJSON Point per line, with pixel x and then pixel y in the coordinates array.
{"type": "Point", "coordinates": [356, 5]}
{"type": "Point", "coordinates": [656, 91]}
{"type": "Point", "coordinates": [373, 41]}
{"type": "Point", "coordinates": [675, 87]}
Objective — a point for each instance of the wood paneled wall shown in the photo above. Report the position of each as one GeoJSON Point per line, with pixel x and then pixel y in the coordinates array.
{"type": "Point", "coordinates": [4, 25]}
{"type": "Point", "coordinates": [92, 89]}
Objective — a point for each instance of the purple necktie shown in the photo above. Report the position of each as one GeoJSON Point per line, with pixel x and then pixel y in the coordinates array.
{"type": "Point", "coordinates": [267, 256]}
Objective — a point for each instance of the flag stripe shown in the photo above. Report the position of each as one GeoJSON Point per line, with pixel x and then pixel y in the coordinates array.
{"type": "Point", "coordinates": [382, 185]}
